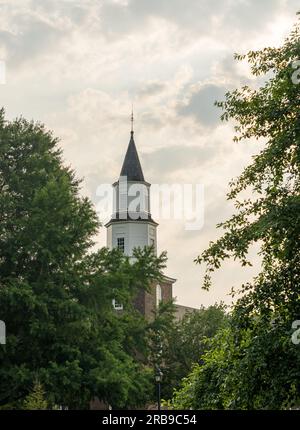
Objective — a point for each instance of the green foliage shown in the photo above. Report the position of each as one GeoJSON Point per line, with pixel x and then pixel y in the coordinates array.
{"type": "Point", "coordinates": [36, 399]}
{"type": "Point", "coordinates": [244, 370]}
{"type": "Point", "coordinates": [254, 364]}
{"type": "Point", "coordinates": [55, 293]}
{"type": "Point", "coordinates": [179, 345]}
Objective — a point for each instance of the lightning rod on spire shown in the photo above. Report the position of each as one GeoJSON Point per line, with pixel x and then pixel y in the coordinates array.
{"type": "Point", "coordinates": [132, 119]}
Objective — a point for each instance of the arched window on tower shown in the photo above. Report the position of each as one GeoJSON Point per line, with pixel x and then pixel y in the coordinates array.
{"type": "Point", "coordinates": [158, 295]}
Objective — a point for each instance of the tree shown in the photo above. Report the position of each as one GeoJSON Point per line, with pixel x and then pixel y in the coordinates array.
{"type": "Point", "coordinates": [179, 345]}
{"type": "Point", "coordinates": [55, 293]}
{"type": "Point", "coordinates": [190, 341]}
{"type": "Point", "coordinates": [36, 399]}
{"type": "Point", "coordinates": [257, 366]}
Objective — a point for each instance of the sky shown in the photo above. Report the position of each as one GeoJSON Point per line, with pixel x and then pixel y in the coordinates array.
{"type": "Point", "coordinates": [78, 66]}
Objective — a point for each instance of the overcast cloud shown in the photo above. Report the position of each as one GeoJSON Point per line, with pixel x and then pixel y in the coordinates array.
{"type": "Point", "coordinates": [78, 65]}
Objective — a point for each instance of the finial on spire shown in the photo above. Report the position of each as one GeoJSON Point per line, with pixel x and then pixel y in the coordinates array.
{"type": "Point", "coordinates": [132, 119]}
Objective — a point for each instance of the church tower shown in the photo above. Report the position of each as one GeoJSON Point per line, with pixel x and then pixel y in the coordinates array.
{"type": "Point", "coordinates": [132, 226]}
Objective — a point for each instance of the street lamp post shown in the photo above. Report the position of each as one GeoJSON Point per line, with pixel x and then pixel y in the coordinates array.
{"type": "Point", "coordinates": [158, 379]}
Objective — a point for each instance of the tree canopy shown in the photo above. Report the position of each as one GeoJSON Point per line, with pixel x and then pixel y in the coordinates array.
{"type": "Point", "coordinates": [185, 342]}
{"type": "Point", "coordinates": [254, 364]}
{"type": "Point", "coordinates": [56, 292]}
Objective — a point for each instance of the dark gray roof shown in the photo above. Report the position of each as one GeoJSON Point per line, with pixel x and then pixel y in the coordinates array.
{"type": "Point", "coordinates": [131, 165]}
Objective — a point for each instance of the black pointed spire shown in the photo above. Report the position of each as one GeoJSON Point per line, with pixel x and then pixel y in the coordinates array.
{"type": "Point", "coordinates": [131, 165]}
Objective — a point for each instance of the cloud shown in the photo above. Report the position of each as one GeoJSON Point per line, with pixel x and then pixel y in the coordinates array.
{"type": "Point", "coordinates": [78, 65]}
{"type": "Point", "coordinates": [199, 16]}
{"type": "Point", "coordinates": [151, 88]}
{"type": "Point", "coordinates": [172, 158]}
{"type": "Point", "coordinates": [201, 104]}
{"type": "Point", "coordinates": [33, 38]}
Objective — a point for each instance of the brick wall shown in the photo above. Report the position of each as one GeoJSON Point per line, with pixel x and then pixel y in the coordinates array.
{"type": "Point", "coordinates": [145, 301]}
